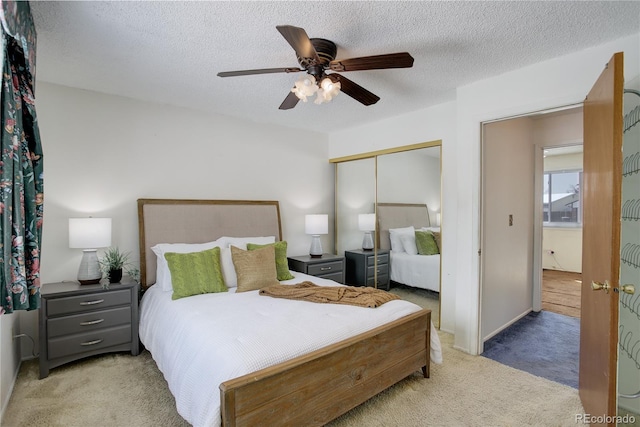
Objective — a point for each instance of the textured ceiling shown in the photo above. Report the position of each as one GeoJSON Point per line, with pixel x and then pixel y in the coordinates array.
{"type": "Point", "coordinates": [170, 52]}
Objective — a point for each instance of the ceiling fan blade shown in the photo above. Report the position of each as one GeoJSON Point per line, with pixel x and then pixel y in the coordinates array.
{"type": "Point", "coordinates": [376, 62]}
{"type": "Point", "coordinates": [259, 71]}
{"type": "Point", "coordinates": [354, 90]}
{"type": "Point", "coordinates": [289, 102]}
{"type": "Point", "coordinates": [299, 41]}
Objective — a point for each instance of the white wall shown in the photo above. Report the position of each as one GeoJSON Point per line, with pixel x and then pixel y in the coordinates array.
{"type": "Point", "coordinates": [507, 245]}
{"type": "Point", "coordinates": [9, 357]}
{"type": "Point", "coordinates": [558, 82]}
{"type": "Point", "coordinates": [102, 153]}
{"type": "Point", "coordinates": [410, 177]}
{"type": "Point", "coordinates": [566, 243]}
{"type": "Point", "coordinates": [356, 194]}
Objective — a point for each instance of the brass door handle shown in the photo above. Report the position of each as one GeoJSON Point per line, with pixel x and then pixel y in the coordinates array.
{"type": "Point", "coordinates": [597, 286]}
{"type": "Point", "coordinates": [628, 289]}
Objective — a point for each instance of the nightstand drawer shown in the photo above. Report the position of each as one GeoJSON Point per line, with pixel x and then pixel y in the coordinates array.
{"type": "Point", "coordinates": [86, 322]}
{"type": "Point", "coordinates": [337, 276]}
{"type": "Point", "coordinates": [88, 341]}
{"type": "Point", "coordinates": [383, 281]}
{"type": "Point", "coordinates": [325, 268]}
{"type": "Point", "coordinates": [83, 303]}
{"type": "Point", "coordinates": [383, 270]}
{"type": "Point", "coordinates": [382, 259]}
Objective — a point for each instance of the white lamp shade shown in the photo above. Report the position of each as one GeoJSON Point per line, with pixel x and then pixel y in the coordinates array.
{"type": "Point", "coordinates": [316, 224]}
{"type": "Point", "coordinates": [89, 233]}
{"type": "Point", "coordinates": [367, 222]}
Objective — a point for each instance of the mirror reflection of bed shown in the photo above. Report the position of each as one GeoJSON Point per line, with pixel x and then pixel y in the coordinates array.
{"type": "Point", "coordinates": [403, 229]}
{"type": "Point", "coordinates": [409, 176]}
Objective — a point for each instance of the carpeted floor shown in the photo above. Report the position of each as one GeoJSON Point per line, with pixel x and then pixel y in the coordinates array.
{"type": "Point", "coordinates": [422, 297]}
{"type": "Point", "coordinates": [545, 344]}
{"type": "Point", "coordinates": [121, 390]}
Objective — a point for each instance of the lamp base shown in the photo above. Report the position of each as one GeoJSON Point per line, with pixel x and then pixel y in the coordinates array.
{"type": "Point", "coordinates": [367, 241]}
{"type": "Point", "coordinates": [316, 246]}
{"type": "Point", "coordinates": [89, 272]}
{"type": "Point", "coordinates": [89, 282]}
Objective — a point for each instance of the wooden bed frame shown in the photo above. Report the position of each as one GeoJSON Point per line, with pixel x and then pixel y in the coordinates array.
{"type": "Point", "coordinates": [312, 389]}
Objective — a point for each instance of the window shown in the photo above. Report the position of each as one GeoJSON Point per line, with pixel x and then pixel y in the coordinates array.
{"type": "Point", "coordinates": [562, 204]}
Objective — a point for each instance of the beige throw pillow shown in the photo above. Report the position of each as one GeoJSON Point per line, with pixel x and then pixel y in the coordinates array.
{"type": "Point", "coordinates": [255, 269]}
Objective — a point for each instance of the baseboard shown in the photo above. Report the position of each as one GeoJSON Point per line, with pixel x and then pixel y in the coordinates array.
{"type": "Point", "coordinates": [5, 404]}
{"type": "Point", "coordinates": [506, 325]}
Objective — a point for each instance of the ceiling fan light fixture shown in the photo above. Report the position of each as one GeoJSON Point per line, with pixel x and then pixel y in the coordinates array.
{"type": "Point", "coordinates": [305, 86]}
{"type": "Point", "coordinates": [328, 90]}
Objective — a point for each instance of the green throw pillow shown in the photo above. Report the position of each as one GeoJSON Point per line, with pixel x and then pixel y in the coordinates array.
{"type": "Point", "coordinates": [282, 264]}
{"type": "Point", "coordinates": [195, 273]}
{"type": "Point", "coordinates": [426, 243]}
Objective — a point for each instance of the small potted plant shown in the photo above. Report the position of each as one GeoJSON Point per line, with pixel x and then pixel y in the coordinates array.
{"type": "Point", "coordinates": [113, 262]}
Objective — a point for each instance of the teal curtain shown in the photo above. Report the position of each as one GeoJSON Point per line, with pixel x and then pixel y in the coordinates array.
{"type": "Point", "coordinates": [21, 178]}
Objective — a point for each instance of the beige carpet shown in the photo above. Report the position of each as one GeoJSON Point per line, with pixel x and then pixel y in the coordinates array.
{"type": "Point", "coordinates": [422, 297]}
{"type": "Point", "coordinates": [125, 391]}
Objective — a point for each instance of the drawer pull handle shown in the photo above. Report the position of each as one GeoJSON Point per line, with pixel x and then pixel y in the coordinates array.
{"type": "Point", "coordinates": [97, 301]}
{"type": "Point", "coordinates": [325, 268]}
{"type": "Point", "coordinates": [94, 342]}
{"type": "Point", "coordinates": [91, 322]}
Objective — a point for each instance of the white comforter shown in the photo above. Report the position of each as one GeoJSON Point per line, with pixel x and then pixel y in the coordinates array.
{"type": "Point", "coordinates": [419, 271]}
{"type": "Point", "coordinates": [201, 341]}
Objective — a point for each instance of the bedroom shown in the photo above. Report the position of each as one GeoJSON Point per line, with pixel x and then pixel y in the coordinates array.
{"type": "Point", "coordinates": [105, 151]}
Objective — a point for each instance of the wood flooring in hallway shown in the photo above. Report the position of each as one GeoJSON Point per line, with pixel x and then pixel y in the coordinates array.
{"type": "Point", "coordinates": [561, 292]}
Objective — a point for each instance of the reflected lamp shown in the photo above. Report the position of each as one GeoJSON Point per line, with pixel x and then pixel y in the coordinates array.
{"type": "Point", "coordinates": [367, 223]}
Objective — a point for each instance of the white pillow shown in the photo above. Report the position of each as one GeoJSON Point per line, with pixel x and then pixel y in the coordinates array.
{"type": "Point", "coordinates": [394, 235]}
{"type": "Point", "coordinates": [241, 242]}
{"type": "Point", "coordinates": [409, 243]}
{"type": "Point", "coordinates": [228, 269]}
{"type": "Point", "coordinates": [163, 275]}
{"type": "Point", "coordinates": [436, 229]}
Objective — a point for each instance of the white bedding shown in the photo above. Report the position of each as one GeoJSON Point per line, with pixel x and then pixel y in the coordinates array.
{"type": "Point", "coordinates": [419, 271]}
{"type": "Point", "coordinates": [201, 341]}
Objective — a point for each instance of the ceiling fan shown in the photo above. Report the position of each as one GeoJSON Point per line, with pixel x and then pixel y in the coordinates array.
{"type": "Point", "coordinates": [316, 56]}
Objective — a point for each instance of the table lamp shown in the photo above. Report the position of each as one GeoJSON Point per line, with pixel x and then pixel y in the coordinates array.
{"type": "Point", "coordinates": [89, 234]}
{"type": "Point", "coordinates": [315, 225]}
{"type": "Point", "coordinates": [367, 223]}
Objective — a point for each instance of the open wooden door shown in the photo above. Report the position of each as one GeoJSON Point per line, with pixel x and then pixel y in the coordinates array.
{"type": "Point", "coordinates": [602, 182]}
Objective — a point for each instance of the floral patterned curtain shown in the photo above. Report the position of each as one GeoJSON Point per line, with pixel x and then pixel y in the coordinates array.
{"type": "Point", "coordinates": [21, 184]}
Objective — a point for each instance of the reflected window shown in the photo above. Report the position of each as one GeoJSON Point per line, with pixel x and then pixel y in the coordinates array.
{"type": "Point", "coordinates": [562, 204]}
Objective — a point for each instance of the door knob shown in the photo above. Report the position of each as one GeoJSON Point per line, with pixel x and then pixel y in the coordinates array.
{"type": "Point", "coordinates": [628, 289]}
{"type": "Point", "coordinates": [596, 286]}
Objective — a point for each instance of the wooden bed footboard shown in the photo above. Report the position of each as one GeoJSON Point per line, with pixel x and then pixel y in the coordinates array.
{"type": "Point", "coordinates": [316, 388]}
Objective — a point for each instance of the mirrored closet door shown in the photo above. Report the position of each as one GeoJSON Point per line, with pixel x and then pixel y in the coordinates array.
{"type": "Point", "coordinates": [397, 194]}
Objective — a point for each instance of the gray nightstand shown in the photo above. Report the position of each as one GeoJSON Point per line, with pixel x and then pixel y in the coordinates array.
{"type": "Point", "coordinates": [328, 266]}
{"type": "Point", "coordinates": [78, 321]}
{"type": "Point", "coordinates": [361, 268]}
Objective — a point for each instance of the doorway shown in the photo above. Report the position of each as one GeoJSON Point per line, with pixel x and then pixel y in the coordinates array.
{"type": "Point", "coordinates": [527, 231]}
{"type": "Point", "coordinates": [562, 225]}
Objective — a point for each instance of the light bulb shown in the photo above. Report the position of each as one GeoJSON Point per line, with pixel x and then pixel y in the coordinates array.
{"type": "Point", "coordinates": [327, 84]}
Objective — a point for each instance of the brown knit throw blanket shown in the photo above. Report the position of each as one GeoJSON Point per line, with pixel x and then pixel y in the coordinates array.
{"type": "Point", "coordinates": [352, 295]}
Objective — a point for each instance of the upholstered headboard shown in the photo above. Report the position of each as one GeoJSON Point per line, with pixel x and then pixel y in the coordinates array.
{"type": "Point", "coordinates": [200, 221]}
{"type": "Point", "coordinates": [397, 215]}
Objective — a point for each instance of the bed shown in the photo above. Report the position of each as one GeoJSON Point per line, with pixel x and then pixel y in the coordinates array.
{"type": "Point", "coordinates": [272, 370]}
{"type": "Point", "coordinates": [408, 268]}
